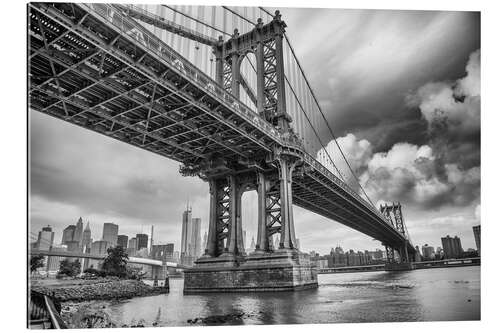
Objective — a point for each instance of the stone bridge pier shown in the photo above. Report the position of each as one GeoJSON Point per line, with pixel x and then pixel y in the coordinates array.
{"type": "Point", "coordinates": [403, 261]}
{"type": "Point", "coordinates": [225, 267]}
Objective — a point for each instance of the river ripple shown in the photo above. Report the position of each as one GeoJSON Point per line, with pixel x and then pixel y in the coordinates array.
{"type": "Point", "coordinates": [419, 295]}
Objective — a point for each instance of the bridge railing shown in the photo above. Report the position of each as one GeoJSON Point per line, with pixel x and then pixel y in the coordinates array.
{"type": "Point", "coordinates": [156, 46]}
{"type": "Point", "coordinates": [135, 10]}
{"type": "Point", "coordinates": [328, 174]}
{"type": "Point", "coordinates": [43, 307]}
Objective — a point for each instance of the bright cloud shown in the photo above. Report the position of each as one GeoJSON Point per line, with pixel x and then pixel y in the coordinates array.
{"type": "Point", "coordinates": [410, 174]}
{"type": "Point", "coordinates": [453, 106]}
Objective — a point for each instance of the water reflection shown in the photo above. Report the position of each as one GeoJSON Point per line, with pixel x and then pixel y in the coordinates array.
{"type": "Point", "coordinates": [421, 295]}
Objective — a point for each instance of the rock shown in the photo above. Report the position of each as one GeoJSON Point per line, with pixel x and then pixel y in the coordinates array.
{"type": "Point", "coordinates": [101, 290]}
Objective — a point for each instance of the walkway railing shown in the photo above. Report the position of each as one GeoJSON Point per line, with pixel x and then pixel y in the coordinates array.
{"type": "Point", "coordinates": [42, 308]}
{"type": "Point", "coordinates": [158, 21]}
{"type": "Point", "coordinates": [328, 174]}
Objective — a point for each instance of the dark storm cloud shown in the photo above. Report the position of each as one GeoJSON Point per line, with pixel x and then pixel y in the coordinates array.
{"type": "Point", "coordinates": [443, 171]}
{"type": "Point", "coordinates": [364, 63]}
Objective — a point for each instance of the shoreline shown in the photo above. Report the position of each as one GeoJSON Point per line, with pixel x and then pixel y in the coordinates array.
{"type": "Point", "coordinates": [85, 303]}
{"type": "Point", "coordinates": [80, 290]}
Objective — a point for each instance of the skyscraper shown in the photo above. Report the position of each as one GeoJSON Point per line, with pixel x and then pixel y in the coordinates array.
{"type": "Point", "coordinates": [68, 234]}
{"type": "Point", "coordinates": [110, 233]}
{"type": "Point", "coordinates": [122, 240]}
{"type": "Point", "coordinates": [78, 236]}
{"type": "Point", "coordinates": [338, 250]}
{"type": "Point", "coordinates": [191, 246]}
{"type": "Point", "coordinates": [142, 241]}
{"type": "Point", "coordinates": [418, 256]}
{"type": "Point", "coordinates": [452, 247]}
{"type": "Point", "coordinates": [86, 238]}
{"type": "Point", "coordinates": [45, 238]}
{"type": "Point", "coordinates": [163, 252]}
{"type": "Point", "coordinates": [73, 246]}
{"type": "Point", "coordinates": [98, 247]}
{"type": "Point", "coordinates": [186, 231]}
{"type": "Point", "coordinates": [132, 243]}
{"type": "Point", "coordinates": [427, 252]}
{"type": "Point", "coordinates": [477, 237]}
{"type": "Point", "coordinates": [132, 246]}
{"type": "Point", "coordinates": [151, 241]}
{"type": "Point", "coordinates": [195, 241]}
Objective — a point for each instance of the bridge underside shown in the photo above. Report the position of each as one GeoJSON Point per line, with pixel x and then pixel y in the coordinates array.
{"type": "Point", "coordinates": [91, 65]}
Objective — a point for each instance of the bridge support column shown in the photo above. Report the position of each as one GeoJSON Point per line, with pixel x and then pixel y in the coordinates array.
{"type": "Point", "coordinates": [235, 242]}
{"type": "Point", "coordinates": [389, 254]}
{"type": "Point", "coordinates": [259, 57]}
{"type": "Point", "coordinates": [403, 254]}
{"type": "Point", "coordinates": [219, 65]}
{"type": "Point", "coordinates": [226, 269]}
{"type": "Point", "coordinates": [404, 264]}
{"type": "Point", "coordinates": [287, 240]}
{"type": "Point", "coordinates": [224, 226]}
{"type": "Point", "coordinates": [263, 235]}
{"type": "Point", "coordinates": [283, 117]}
{"type": "Point", "coordinates": [235, 68]}
{"type": "Point", "coordinates": [213, 247]}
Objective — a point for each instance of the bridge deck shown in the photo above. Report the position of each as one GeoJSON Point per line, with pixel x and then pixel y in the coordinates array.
{"type": "Point", "coordinates": [96, 68]}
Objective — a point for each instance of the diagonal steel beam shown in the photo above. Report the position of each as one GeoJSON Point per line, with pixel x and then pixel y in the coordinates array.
{"type": "Point", "coordinates": [103, 114]}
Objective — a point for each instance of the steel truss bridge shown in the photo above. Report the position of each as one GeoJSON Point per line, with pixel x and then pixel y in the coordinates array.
{"type": "Point", "coordinates": [107, 68]}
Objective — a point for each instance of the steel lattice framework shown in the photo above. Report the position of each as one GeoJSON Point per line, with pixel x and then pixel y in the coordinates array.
{"type": "Point", "coordinates": [91, 65]}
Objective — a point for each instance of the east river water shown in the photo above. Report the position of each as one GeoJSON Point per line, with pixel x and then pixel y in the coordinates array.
{"type": "Point", "coordinates": [419, 295]}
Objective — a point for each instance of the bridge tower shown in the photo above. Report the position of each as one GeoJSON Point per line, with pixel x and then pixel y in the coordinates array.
{"type": "Point", "coordinates": [225, 266]}
{"type": "Point", "coordinates": [394, 216]}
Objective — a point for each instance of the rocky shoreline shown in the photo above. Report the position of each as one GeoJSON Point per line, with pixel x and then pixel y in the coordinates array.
{"type": "Point", "coordinates": [100, 289]}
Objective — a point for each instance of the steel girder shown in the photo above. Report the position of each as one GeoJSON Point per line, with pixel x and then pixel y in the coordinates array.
{"type": "Point", "coordinates": [124, 99]}
{"type": "Point", "coordinates": [85, 70]}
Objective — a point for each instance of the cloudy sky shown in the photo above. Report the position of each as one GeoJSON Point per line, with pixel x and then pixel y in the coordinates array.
{"type": "Point", "coordinates": [401, 89]}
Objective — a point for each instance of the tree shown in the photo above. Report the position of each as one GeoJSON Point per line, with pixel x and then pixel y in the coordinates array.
{"type": "Point", "coordinates": [115, 264]}
{"type": "Point", "coordinates": [69, 268]}
{"type": "Point", "coordinates": [36, 262]}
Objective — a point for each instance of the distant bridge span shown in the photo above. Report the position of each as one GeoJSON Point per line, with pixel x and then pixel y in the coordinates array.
{"type": "Point", "coordinates": [132, 260]}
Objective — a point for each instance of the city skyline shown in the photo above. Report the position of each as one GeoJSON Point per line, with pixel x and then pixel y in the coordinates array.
{"type": "Point", "coordinates": [177, 241]}
{"type": "Point", "coordinates": [435, 247]}
{"type": "Point", "coordinates": [438, 195]}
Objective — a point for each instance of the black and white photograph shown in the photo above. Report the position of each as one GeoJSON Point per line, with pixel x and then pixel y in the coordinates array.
{"type": "Point", "coordinates": [229, 164]}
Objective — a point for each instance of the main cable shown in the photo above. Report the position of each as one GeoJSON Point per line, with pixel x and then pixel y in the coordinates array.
{"type": "Point", "coordinates": [322, 114]}
{"type": "Point", "coordinates": [289, 85]}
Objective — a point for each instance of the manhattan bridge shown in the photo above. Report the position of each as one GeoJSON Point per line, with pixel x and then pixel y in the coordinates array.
{"type": "Point", "coordinates": [221, 91]}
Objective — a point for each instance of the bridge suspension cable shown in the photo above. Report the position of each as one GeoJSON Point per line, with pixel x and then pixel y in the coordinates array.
{"type": "Point", "coordinates": [286, 78]}
{"type": "Point", "coordinates": [322, 114]}
{"type": "Point", "coordinates": [290, 86]}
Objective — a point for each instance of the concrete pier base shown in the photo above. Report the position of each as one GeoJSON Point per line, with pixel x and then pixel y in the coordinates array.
{"type": "Point", "coordinates": [285, 270]}
{"type": "Point", "coordinates": [404, 266]}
